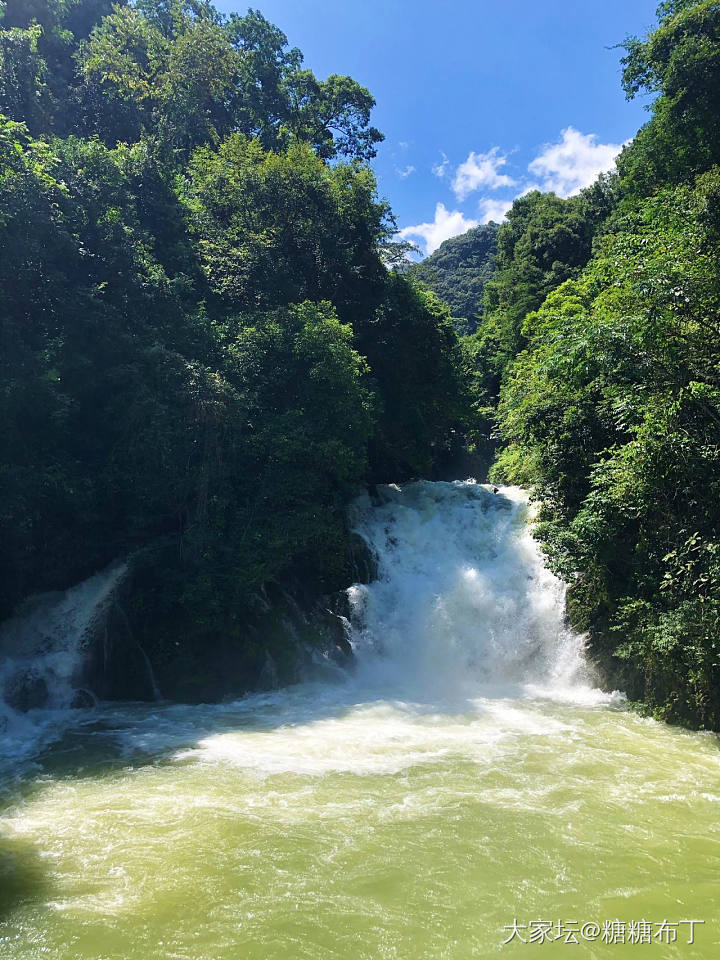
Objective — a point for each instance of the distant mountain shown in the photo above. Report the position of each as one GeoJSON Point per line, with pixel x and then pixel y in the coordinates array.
{"type": "Point", "coordinates": [458, 271]}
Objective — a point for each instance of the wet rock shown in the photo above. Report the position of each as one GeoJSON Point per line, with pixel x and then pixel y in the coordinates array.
{"type": "Point", "coordinates": [25, 690]}
{"type": "Point", "coordinates": [273, 638]}
{"type": "Point", "coordinates": [344, 646]}
{"type": "Point", "coordinates": [332, 626]}
{"type": "Point", "coordinates": [363, 562]}
{"type": "Point", "coordinates": [115, 666]}
{"type": "Point", "coordinates": [83, 700]}
{"type": "Point", "coordinates": [268, 679]}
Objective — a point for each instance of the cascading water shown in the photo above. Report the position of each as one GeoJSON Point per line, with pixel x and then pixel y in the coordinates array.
{"type": "Point", "coordinates": [463, 599]}
{"type": "Point", "coordinates": [465, 774]}
{"type": "Point", "coordinates": [41, 651]}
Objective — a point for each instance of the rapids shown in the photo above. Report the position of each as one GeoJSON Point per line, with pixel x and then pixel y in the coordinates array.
{"type": "Point", "coordinates": [467, 773]}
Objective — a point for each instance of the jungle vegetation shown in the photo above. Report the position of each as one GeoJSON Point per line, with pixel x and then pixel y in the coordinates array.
{"type": "Point", "coordinates": [597, 367]}
{"type": "Point", "coordinates": [458, 271]}
{"type": "Point", "coordinates": [203, 353]}
{"type": "Point", "coordinates": [206, 350]}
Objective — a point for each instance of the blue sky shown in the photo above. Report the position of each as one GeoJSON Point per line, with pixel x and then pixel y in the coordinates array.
{"type": "Point", "coordinates": [479, 100]}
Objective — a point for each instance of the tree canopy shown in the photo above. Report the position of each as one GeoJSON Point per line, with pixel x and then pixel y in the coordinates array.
{"type": "Point", "coordinates": [175, 70]}
{"type": "Point", "coordinates": [458, 271]}
{"type": "Point", "coordinates": [200, 339]}
{"type": "Point", "coordinates": [610, 392]}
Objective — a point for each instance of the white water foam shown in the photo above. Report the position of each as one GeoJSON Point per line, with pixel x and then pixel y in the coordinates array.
{"type": "Point", "coordinates": [458, 643]}
{"type": "Point", "coordinates": [463, 600]}
{"type": "Point", "coordinates": [41, 652]}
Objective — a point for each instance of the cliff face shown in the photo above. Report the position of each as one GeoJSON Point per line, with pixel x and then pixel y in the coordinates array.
{"type": "Point", "coordinates": [288, 630]}
{"type": "Point", "coordinates": [112, 638]}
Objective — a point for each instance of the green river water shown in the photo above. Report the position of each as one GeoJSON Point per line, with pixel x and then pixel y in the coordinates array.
{"type": "Point", "coordinates": [467, 775]}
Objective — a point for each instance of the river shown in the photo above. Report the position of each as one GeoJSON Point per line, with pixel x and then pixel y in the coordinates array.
{"type": "Point", "coordinates": [466, 784]}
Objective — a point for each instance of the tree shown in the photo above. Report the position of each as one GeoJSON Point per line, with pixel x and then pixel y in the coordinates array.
{"type": "Point", "coordinates": [38, 45]}
{"type": "Point", "coordinates": [416, 368]}
{"type": "Point", "coordinates": [274, 228]}
{"type": "Point", "coordinates": [458, 271]}
{"type": "Point", "coordinates": [186, 73]}
{"type": "Point", "coordinates": [613, 412]}
{"type": "Point", "coordinates": [679, 65]}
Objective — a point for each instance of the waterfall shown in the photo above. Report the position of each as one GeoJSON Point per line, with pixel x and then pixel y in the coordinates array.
{"type": "Point", "coordinates": [463, 599]}
{"type": "Point", "coordinates": [463, 776]}
{"type": "Point", "coordinates": [463, 607]}
{"type": "Point", "coordinates": [460, 646]}
{"type": "Point", "coordinates": [41, 652]}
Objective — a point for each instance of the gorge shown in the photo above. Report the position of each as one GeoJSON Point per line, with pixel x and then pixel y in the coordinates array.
{"type": "Point", "coordinates": [467, 773]}
{"type": "Point", "coordinates": [278, 677]}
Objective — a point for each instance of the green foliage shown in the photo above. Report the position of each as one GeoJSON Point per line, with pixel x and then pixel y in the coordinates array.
{"type": "Point", "coordinates": [186, 74]}
{"type": "Point", "coordinates": [128, 411]}
{"type": "Point", "coordinates": [680, 64]}
{"type": "Point", "coordinates": [273, 228]}
{"type": "Point", "coordinates": [23, 75]}
{"type": "Point", "coordinates": [616, 405]}
{"type": "Point", "coordinates": [202, 354]}
{"type": "Point", "coordinates": [458, 271]}
{"type": "Point", "coordinates": [602, 334]}
{"type": "Point", "coordinates": [174, 70]}
{"type": "Point", "coordinates": [39, 40]}
{"type": "Point", "coordinates": [544, 241]}
{"type": "Point", "coordinates": [416, 363]}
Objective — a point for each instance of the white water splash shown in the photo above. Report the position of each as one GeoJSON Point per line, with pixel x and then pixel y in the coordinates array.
{"type": "Point", "coordinates": [463, 600]}
{"type": "Point", "coordinates": [459, 644]}
{"type": "Point", "coordinates": [41, 653]}
{"type": "Point", "coordinates": [464, 774]}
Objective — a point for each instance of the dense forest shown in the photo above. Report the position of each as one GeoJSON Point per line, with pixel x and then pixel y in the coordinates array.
{"type": "Point", "coordinates": [210, 340]}
{"type": "Point", "coordinates": [204, 353]}
{"type": "Point", "coordinates": [458, 271]}
{"type": "Point", "coordinates": [597, 367]}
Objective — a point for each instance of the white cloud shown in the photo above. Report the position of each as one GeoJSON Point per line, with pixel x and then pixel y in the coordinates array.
{"type": "Point", "coordinates": [405, 171]}
{"type": "Point", "coordinates": [481, 170]}
{"type": "Point", "coordinates": [441, 168]}
{"type": "Point", "coordinates": [447, 223]}
{"type": "Point", "coordinates": [574, 162]}
{"type": "Point", "coordinates": [492, 209]}
{"type": "Point", "coordinates": [566, 167]}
